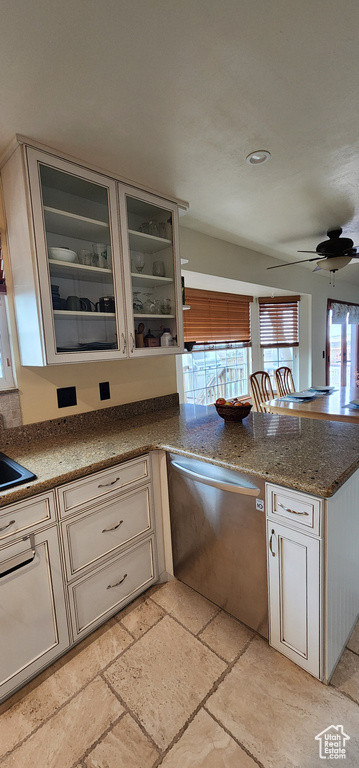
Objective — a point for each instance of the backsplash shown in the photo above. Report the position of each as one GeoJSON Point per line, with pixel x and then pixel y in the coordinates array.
{"type": "Point", "coordinates": [10, 410]}
{"type": "Point", "coordinates": [73, 424]}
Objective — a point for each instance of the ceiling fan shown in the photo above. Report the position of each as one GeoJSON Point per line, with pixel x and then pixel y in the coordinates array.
{"type": "Point", "coordinates": [333, 254]}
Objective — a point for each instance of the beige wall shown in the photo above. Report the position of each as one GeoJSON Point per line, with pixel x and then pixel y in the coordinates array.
{"type": "Point", "coordinates": [209, 255]}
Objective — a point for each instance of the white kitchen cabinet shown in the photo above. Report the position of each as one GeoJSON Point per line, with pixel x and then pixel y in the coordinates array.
{"type": "Point", "coordinates": [313, 574]}
{"type": "Point", "coordinates": [75, 285]}
{"type": "Point", "coordinates": [294, 564]}
{"type": "Point", "coordinates": [108, 537]}
{"type": "Point", "coordinates": [149, 229]}
{"type": "Point", "coordinates": [33, 621]}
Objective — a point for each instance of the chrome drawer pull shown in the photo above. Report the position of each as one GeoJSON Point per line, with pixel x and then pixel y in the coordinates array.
{"type": "Point", "coordinates": [7, 525]}
{"type": "Point", "coordinates": [114, 528]}
{"type": "Point", "coordinates": [132, 342]}
{"type": "Point", "coordinates": [292, 511]}
{"type": "Point", "coordinates": [124, 343]}
{"type": "Point", "coordinates": [117, 582]}
{"type": "Point", "coordinates": [16, 562]}
{"type": "Point", "coordinates": [106, 485]}
{"type": "Point", "coordinates": [270, 542]}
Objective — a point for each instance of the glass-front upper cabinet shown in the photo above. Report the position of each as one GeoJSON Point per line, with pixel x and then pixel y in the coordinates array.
{"type": "Point", "coordinates": [78, 251]}
{"type": "Point", "coordinates": [149, 228]}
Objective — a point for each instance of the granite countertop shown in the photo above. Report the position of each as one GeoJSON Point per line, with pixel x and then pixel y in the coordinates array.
{"type": "Point", "coordinates": [309, 455]}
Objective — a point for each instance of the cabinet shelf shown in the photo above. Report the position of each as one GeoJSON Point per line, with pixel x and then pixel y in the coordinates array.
{"type": "Point", "coordinates": [72, 225]}
{"type": "Point", "coordinates": [68, 314]}
{"type": "Point", "coordinates": [77, 271]}
{"type": "Point", "coordinates": [139, 241]}
{"type": "Point", "coordinates": [138, 280]}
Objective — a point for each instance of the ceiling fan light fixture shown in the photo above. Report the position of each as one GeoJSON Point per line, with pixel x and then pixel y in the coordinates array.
{"type": "Point", "coordinates": [334, 263]}
{"type": "Point", "coordinates": [258, 157]}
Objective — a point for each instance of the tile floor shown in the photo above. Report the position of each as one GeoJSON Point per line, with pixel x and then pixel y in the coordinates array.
{"type": "Point", "coordinates": [173, 681]}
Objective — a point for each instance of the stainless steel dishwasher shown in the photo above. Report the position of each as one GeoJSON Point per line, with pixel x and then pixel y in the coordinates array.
{"type": "Point", "coordinates": [219, 537]}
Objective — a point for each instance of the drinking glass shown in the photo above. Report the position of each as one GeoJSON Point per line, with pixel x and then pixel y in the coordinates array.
{"type": "Point", "coordinates": [137, 303]}
{"type": "Point", "coordinates": [158, 269]}
{"type": "Point", "coordinates": [138, 259]}
{"type": "Point", "coordinates": [149, 306]}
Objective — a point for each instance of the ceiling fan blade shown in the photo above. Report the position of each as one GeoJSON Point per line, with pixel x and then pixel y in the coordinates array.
{"type": "Point", "coordinates": [306, 251]}
{"type": "Point", "coordinates": [316, 269]}
{"type": "Point", "coordinates": [290, 263]}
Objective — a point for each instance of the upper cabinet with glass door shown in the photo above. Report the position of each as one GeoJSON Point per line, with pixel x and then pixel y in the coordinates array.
{"type": "Point", "coordinates": [77, 243]}
{"type": "Point", "coordinates": [96, 274]}
{"type": "Point", "coordinates": [149, 228]}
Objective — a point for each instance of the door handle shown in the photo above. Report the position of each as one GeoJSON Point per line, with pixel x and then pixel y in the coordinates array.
{"type": "Point", "coordinates": [7, 526]}
{"type": "Point", "coordinates": [114, 527]}
{"type": "Point", "coordinates": [292, 511]}
{"type": "Point", "coordinates": [124, 342]}
{"type": "Point", "coordinates": [270, 543]}
{"type": "Point", "coordinates": [132, 342]}
{"type": "Point", "coordinates": [18, 561]}
{"type": "Point", "coordinates": [106, 485]}
{"type": "Point", "coordinates": [110, 586]}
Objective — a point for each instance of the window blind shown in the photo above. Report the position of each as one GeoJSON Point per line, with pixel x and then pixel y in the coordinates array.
{"type": "Point", "coordinates": [279, 321]}
{"type": "Point", "coordinates": [216, 317]}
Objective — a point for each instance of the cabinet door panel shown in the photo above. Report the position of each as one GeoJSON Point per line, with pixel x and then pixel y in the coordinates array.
{"type": "Point", "coordinates": [294, 596]}
{"type": "Point", "coordinates": [33, 626]}
{"type": "Point", "coordinates": [150, 247]}
{"type": "Point", "coordinates": [78, 250]}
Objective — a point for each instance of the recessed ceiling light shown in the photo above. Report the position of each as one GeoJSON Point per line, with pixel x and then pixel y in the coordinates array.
{"type": "Point", "coordinates": [258, 157]}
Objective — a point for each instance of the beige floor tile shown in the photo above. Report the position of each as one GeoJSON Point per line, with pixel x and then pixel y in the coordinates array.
{"type": "Point", "coordinates": [125, 746]}
{"type": "Point", "coordinates": [164, 677]}
{"type": "Point", "coordinates": [190, 608]}
{"type": "Point", "coordinates": [71, 673]}
{"type": "Point", "coordinates": [275, 710]}
{"type": "Point", "coordinates": [346, 675]}
{"type": "Point", "coordinates": [226, 636]}
{"type": "Point", "coordinates": [206, 745]}
{"type": "Point", "coordinates": [353, 642]}
{"type": "Point", "coordinates": [70, 732]}
{"type": "Point", "coordinates": [142, 618]}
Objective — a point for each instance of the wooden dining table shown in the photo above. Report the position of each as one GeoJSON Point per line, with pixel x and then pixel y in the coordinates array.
{"type": "Point", "coordinates": [331, 407]}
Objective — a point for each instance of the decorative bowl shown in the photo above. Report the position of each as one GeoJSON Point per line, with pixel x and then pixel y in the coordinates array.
{"type": "Point", "coordinates": [62, 254]}
{"type": "Point", "coordinates": [233, 412]}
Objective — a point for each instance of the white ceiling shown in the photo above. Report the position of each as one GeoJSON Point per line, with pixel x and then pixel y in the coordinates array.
{"type": "Point", "coordinates": [175, 93]}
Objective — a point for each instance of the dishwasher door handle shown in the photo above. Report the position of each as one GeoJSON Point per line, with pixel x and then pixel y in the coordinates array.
{"type": "Point", "coordinates": [244, 490]}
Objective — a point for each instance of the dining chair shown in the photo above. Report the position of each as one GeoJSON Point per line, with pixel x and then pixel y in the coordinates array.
{"type": "Point", "coordinates": [284, 381]}
{"type": "Point", "coordinates": [261, 389]}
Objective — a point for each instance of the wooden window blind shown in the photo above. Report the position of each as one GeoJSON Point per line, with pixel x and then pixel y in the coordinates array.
{"type": "Point", "coordinates": [279, 321]}
{"type": "Point", "coordinates": [216, 317]}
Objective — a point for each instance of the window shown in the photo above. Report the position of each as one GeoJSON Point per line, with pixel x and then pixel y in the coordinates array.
{"type": "Point", "coordinates": [342, 344]}
{"type": "Point", "coordinates": [213, 371]}
{"type": "Point", "coordinates": [218, 366]}
{"type": "Point", "coordinates": [216, 317]}
{"type": "Point", "coordinates": [279, 332]}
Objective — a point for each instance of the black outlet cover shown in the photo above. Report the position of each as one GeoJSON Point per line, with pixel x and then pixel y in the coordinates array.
{"type": "Point", "coordinates": [66, 396]}
{"type": "Point", "coordinates": [104, 387]}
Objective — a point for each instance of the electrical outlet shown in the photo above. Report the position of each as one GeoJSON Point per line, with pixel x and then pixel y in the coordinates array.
{"type": "Point", "coordinates": [66, 396]}
{"type": "Point", "coordinates": [104, 388]}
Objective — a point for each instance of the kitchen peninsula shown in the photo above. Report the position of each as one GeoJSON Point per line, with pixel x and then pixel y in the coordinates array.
{"type": "Point", "coordinates": [312, 490]}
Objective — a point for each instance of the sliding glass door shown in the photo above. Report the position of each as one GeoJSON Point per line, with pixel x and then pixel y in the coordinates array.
{"type": "Point", "coordinates": [342, 344]}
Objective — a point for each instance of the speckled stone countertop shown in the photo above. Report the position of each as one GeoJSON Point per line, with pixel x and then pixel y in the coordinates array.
{"type": "Point", "coordinates": [309, 455]}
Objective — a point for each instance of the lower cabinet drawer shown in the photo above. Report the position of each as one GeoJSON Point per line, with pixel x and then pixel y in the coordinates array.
{"type": "Point", "coordinates": [298, 509]}
{"type": "Point", "coordinates": [92, 535]}
{"type": "Point", "coordinates": [27, 514]}
{"type": "Point", "coordinates": [102, 592]}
